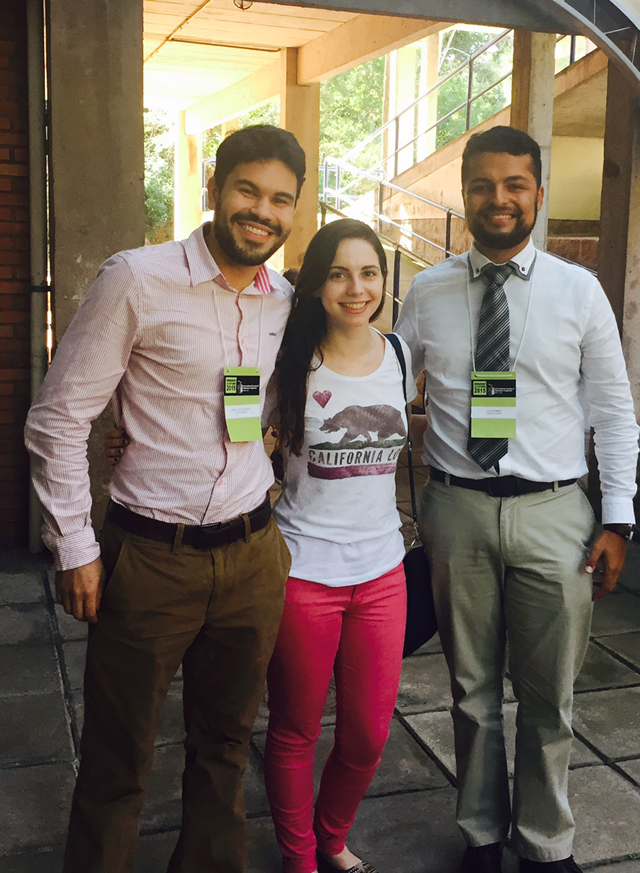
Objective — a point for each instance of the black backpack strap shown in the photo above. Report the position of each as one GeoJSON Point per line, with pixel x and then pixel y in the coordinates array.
{"type": "Point", "coordinates": [395, 342]}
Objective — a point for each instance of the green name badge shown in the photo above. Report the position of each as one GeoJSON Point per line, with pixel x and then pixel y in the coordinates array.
{"type": "Point", "coordinates": [493, 405]}
{"type": "Point", "coordinates": [242, 403]}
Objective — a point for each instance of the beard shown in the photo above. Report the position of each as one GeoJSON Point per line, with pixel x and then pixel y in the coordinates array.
{"type": "Point", "coordinates": [249, 253]}
{"type": "Point", "coordinates": [502, 241]}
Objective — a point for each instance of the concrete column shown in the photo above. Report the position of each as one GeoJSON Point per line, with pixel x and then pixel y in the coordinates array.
{"type": "Point", "coordinates": [532, 104]}
{"type": "Point", "coordinates": [97, 160]}
{"type": "Point", "coordinates": [406, 75]}
{"type": "Point", "coordinates": [619, 249]}
{"type": "Point", "coordinates": [187, 197]}
{"type": "Point", "coordinates": [300, 114]}
{"type": "Point", "coordinates": [389, 111]}
{"type": "Point", "coordinates": [428, 108]}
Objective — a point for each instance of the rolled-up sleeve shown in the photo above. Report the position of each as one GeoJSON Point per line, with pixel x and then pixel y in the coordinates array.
{"type": "Point", "coordinates": [611, 413]}
{"type": "Point", "coordinates": [85, 371]}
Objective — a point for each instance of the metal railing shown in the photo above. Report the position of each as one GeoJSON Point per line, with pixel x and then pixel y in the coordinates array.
{"type": "Point", "coordinates": [392, 127]}
{"type": "Point", "coordinates": [394, 124]}
{"type": "Point", "coordinates": [398, 251]}
{"type": "Point", "coordinates": [340, 199]}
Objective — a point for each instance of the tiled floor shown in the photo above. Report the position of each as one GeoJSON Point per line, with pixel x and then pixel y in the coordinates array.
{"type": "Point", "coordinates": [406, 822]}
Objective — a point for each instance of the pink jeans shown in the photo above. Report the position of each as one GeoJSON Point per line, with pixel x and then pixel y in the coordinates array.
{"type": "Point", "coordinates": [356, 631]}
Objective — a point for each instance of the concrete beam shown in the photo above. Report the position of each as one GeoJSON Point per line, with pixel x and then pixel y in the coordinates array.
{"type": "Point", "coordinates": [356, 41]}
{"type": "Point", "coordinates": [300, 114]}
{"type": "Point", "coordinates": [234, 100]}
{"type": "Point", "coordinates": [353, 43]}
{"type": "Point", "coordinates": [544, 15]}
{"type": "Point", "coordinates": [532, 93]}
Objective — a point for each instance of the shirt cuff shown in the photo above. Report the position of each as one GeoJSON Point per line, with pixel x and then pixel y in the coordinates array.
{"type": "Point", "coordinates": [617, 510]}
{"type": "Point", "coordinates": [74, 550]}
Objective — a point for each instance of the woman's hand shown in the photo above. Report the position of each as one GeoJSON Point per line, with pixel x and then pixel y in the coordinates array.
{"type": "Point", "coordinates": [115, 444]}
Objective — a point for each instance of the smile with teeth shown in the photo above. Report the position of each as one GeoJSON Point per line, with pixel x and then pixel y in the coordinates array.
{"type": "Point", "coordinates": [355, 307]}
{"type": "Point", "coordinates": [258, 231]}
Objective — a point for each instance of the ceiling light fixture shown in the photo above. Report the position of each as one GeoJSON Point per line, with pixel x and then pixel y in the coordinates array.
{"type": "Point", "coordinates": [243, 4]}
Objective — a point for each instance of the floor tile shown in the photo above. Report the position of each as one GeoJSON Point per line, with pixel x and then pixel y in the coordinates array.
{"type": "Point", "coordinates": [26, 587]}
{"type": "Point", "coordinates": [410, 833]}
{"type": "Point", "coordinates": [606, 808]}
{"type": "Point", "coordinates": [609, 720]}
{"type": "Point", "coordinates": [28, 670]}
{"type": "Point", "coordinates": [630, 576]}
{"type": "Point", "coordinates": [424, 685]}
{"type": "Point", "coordinates": [34, 729]}
{"type": "Point", "coordinates": [35, 806]}
{"type": "Point", "coordinates": [632, 866]}
{"type": "Point", "coordinates": [602, 670]}
{"type": "Point", "coordinates": [24, 623]}
{"type": "Point", "coordinates": [625, 645]}
{"type": "Point", "coordinates": [631, 768]}
{"type": "Point", "coordinates": [615, 613]}
{"type": "Point", "coordinates": [48, 861]}
{"type": "Point", "coordinates": [74, 654]}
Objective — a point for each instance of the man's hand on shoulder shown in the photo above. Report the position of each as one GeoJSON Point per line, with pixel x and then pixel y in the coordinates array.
{"type": "Point", "coordinates": [80, 590]}
{"type": "Point", "coordinates": [611, 549]}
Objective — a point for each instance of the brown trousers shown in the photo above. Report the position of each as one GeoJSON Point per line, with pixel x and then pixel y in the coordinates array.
{"type": "Point", "coordinates": [218, 613]}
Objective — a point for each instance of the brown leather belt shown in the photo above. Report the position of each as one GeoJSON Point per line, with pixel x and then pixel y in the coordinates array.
{"type": "Point", "coordinates": [206, 536]}
{"type": "Point", "coordinates": [500, 486]}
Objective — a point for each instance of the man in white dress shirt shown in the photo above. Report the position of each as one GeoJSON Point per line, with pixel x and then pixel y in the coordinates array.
{"type": "Point", "coordinates": [190, 567]}
{"type": "Point", "coordinates": [511, 536]}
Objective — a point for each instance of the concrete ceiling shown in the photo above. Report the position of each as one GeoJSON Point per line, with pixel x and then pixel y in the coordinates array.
{"type": "Point", "coordinates": [193, 48]}
{"type": "Point", "coordinates": [196, 48]}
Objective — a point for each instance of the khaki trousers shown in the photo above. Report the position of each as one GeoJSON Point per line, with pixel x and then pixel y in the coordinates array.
{"type": "Point", "coordinates": [218, 612]}
{"type": "Point", "coordinates": [511, 568]}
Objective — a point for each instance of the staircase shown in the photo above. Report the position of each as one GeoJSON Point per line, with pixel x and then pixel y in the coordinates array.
{"type": "Point", "coordinates": [374, 182]}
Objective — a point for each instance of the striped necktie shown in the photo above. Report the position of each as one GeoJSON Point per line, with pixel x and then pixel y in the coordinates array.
{"type": "Point", "coordinates": [492, 353]}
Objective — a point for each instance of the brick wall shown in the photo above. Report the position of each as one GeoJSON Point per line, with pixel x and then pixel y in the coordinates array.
{"type": "Point", "coordinates": [14, 274]}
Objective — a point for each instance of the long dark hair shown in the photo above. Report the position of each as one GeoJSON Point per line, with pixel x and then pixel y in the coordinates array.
{"type": "Point", "coordinates": [307, 325]}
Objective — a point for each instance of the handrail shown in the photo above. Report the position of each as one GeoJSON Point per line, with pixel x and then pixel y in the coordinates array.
{"type": "Point", "coordinates": [349, 167]}
{"type": "Point", "coordinates": [355, 152]}
{"type": "Point", "coordinates": [465, 105]}
{"type": "Point", "coordinates": [340, 194]}
{"type": "Point", "coordinates": [398, 251]}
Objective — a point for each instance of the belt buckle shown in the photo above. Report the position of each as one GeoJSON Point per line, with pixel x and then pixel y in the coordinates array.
{"type": "Point", "coordinates": [503, 486]}
{"type": "Point", "coordinates": [202, 535]}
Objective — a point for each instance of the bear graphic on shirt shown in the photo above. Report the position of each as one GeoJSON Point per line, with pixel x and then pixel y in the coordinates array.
{"type": "Point", "coordinates": [372, 440]}
{"type": "Point", "coordinates": [364, 421]}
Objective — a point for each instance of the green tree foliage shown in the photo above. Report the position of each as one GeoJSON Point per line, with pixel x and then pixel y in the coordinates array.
{"type": "Point", "coordinates": [351, 108]}
{"type": "Point", "coordinates": [158, 175]}
{"type": "Point", "coordinates": [458, 46]}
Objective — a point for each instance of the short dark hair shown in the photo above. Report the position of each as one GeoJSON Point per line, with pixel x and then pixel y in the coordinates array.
{"type": "Point", "coordinates": [259, 142]}
{"type": "Point", "coordinates": [503, 139]}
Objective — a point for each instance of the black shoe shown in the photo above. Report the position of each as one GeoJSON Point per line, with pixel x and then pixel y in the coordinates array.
{"type": "Point", "coordinates": [482, 859]}
{"type": "Point", "coordinates": [568, 865]}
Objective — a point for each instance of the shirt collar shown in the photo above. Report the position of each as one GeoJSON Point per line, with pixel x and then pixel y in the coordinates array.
{"type": "Point", "coordinates": [523, 261]}
{"type": "Point", "coordinates": [203, 268]}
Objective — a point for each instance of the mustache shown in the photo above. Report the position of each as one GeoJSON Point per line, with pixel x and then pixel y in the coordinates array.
{"type": "Point", "coordinates": [252, 218]}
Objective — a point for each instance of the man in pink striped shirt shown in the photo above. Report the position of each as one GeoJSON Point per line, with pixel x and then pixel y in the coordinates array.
{"type": "Point", "coordinates": [190, 566]}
